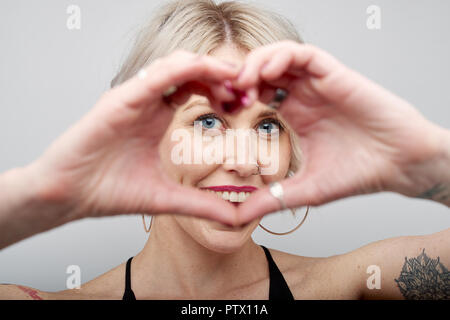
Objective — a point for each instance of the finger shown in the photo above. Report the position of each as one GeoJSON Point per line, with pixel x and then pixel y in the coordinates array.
{"type": "Point", "coordinates": [267, 92]}
{"type": "Point", "coordinates": [213, 92]}
{"type": "Point", "coordinates": [306, 57]}
{"type": "Point", "coordinates": [249, 76]}
{"type": "Point", "coordinates": [205, 69]}
{"type": "Point", "coordinates": [216, 94]}
{"type": "Point", "coordinates": [221, 93]}
{"type": "Point", "coordinates": [277, 66]}
{"type": "Point", "coordinates": [323, 77]}
{"type": "Point", "coordinates": [296, 194]}
{"type": "Point", "coordinates": [284, 81]}
{"type": "Point", "coordinates": [184, 93]}
{"type": "Point", "coordinates": [175, 69]}
{"type": "Point", "coordinates": [238, 99]}
{"type": "Point", "coordinates": [252, 96]}
{"type": "Point", "coordinates": [312, 59]}
{"type": "Point", "coordinates": [193, 202]}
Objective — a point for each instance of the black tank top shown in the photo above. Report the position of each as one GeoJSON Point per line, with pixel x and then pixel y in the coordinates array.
{"type": "Point", "coordinates": [278, 288]}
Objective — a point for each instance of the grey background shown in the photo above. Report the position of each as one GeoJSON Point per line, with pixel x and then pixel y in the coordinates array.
{"type": "Point", "coordinates": [50, 77]}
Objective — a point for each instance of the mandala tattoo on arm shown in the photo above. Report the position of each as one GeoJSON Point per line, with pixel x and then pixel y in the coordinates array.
{"type": "Point", "coordinates": [424, 278]}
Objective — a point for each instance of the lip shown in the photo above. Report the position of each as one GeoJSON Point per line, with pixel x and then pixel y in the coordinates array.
{"type": "Point", "coordinates": [231, 188]}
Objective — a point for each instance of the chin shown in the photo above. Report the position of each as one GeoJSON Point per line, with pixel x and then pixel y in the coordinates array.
{"type": "Point", "coordinates": [223, 239]}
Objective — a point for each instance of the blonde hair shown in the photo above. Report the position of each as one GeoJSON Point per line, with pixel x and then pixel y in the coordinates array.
{"type": "Point", "coordinates": [202, 26]}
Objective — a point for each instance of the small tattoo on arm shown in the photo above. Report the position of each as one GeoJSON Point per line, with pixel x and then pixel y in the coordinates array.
{"type": "Point", "coordinates": [440, 192]}
{"type": "Point", "coordinates": [31, 292]}
{"type": "Point", "coordinates": [423, 278]}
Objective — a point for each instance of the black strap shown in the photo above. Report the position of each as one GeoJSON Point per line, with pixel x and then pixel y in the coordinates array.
{"type": "Point", "coordinates": [128, 294]}
{"type": "Point", "coordinates": [278, 288]}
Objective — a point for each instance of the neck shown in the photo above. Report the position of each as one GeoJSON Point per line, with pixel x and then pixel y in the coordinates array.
{"type": "Point", "coordinates": [173, 265]}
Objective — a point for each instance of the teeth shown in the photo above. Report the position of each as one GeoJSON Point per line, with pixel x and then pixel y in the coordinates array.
{"type": "Point", "coordinates": [231, 195]}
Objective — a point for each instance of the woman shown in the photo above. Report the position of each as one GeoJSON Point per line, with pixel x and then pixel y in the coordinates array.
{"type": "Point", "coordinates": [240, 67]}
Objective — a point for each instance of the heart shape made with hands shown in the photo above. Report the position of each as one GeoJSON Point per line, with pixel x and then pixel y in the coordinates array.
{"type": "Point", "coordinates": [336, 113]}
{"type": "Point", "coordinates": [264, 91]}
{"type": "Point", "coordinates": [295, 68]}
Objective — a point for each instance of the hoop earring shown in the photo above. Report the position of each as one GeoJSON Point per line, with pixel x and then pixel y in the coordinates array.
{"type": "Point", "coordinates": [285, 233]}
{"type": "Point", "coordinates": [145, 227]}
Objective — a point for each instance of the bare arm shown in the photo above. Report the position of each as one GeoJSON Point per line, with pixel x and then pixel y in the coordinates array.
{"type": "Point", "coordinates": [411, 267]}
{"type": "Point", "coordinates": [18, 292]}
{"type": "Point", "coordinates": [82, 173]}
{"type": "Point", "coordinates": [23, 211]}
{"type": "Point", "coordinates": [431, 179]}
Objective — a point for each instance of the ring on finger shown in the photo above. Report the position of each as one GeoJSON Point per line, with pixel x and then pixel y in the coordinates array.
{"type": "Point", "coordinates": [276, 189]}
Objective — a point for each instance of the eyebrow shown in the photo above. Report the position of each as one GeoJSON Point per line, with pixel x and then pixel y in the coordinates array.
{"type": "Point", "coordinates": [268, 113]}
{"type": "Point", "coordinates": [196, 102]}
{"type": "Point", "coordinates": [200, 102]}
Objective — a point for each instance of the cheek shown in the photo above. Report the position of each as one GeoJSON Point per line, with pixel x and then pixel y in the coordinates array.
{"type": "Point", "coordinates": [177, 157]}
{"type": "Point", "coordinates": [165, 153]}
{"type": "Point", "coordinates": [285, 155]}
{"type": "Point", "coordinates": [281, 159]}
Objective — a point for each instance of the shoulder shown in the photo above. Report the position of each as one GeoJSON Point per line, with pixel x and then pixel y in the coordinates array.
{"type": "Point", "coordinates": [108, 286]}
{"type": "Point", "coordinates": [372, 271]}
{"type": "Point", "coordinates": [317, 277]}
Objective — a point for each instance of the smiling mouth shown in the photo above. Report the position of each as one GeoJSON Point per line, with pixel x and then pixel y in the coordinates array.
{"type": "Point", "coordinates": [233, 194]}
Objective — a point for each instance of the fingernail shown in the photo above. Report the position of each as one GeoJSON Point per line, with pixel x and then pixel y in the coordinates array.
{"type": "Point", "coordinates": [245, 100]}
{"type": "Point", "coordinates": [228, 86]}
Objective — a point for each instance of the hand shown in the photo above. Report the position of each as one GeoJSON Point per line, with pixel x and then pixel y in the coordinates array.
{"type": "Point", "coordinates": [108, 162]}
{"type": "Point", "coordinates": [356, 137]}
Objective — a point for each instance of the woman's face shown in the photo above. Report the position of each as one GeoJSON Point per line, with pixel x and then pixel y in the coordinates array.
{"type": "Point", "coordinates": [236, 165]}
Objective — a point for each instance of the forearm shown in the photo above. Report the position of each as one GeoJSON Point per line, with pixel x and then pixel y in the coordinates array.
{"type": "Point", "coordinates": [432, 178]}
{"type": "Point", "coordinates": [22, 212]}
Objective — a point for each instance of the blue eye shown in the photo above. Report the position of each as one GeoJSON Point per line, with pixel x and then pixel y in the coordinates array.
{"type": "Point", "coordinates": [210, 122]}
{"type": "Point", "coordinates": [268, 126]}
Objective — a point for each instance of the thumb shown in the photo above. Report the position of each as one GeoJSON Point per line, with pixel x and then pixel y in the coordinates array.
{"type": "Point", "coordinates": [190, 201]}
{"type": "Point", "coordinates": [296, 193]}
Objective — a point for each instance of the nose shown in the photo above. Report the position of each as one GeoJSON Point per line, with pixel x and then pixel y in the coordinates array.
{"type": "Point", "coordinates": [242, 169]}
{"type": "Point", "coordinates": [242, 161]}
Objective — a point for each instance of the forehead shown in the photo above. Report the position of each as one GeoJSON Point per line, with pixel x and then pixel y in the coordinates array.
{"type": "Point", "coordinates": [230, 53]}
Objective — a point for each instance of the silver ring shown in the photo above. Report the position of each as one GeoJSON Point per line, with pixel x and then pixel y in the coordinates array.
{"type": "Point", "coordinates": [276, 189]}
